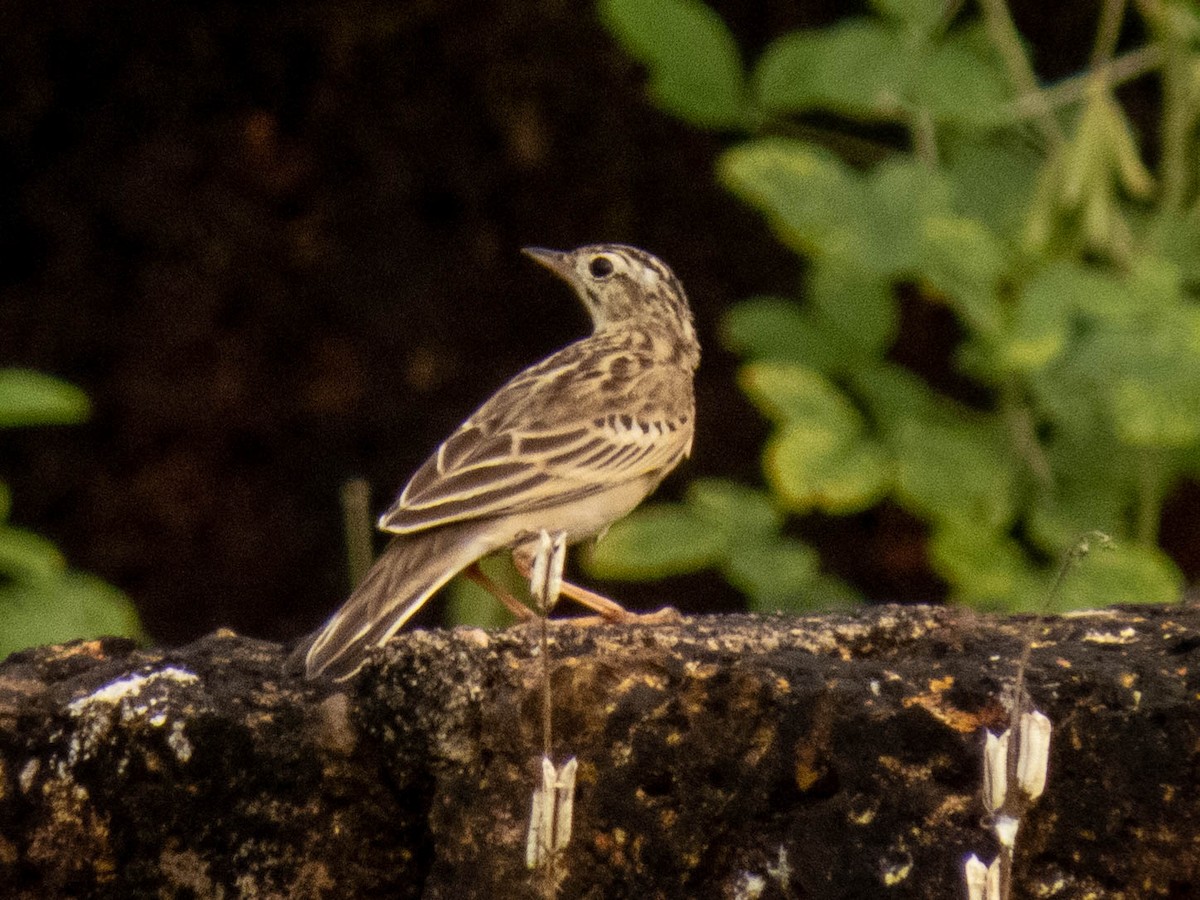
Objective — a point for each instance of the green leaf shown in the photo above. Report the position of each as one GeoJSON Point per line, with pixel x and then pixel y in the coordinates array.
{"type": "Point", "coordinates": [1126, 573]}
{"type": "Point", "coordinates": [1158, 409]}
{"type": "Point", "coordinates": [63, 609]}
{"type": "Point", "coordinates": [961, 473]}
{"type": "Point", "coordinates": [894, 395]}
{"type": "Point", "coordinates": [31, 398]}
{"type": "Point", "coordinates": [901, 195]}
{"type": "Point", "coordinates": [919, 15]}
{"type": "Point", "coordinates": [985, 569]}
{"type": "Point", "coordinates": [1176, 237]}
{"type": "Point", "coordinates": [1066, 394]}
{"type": "Point", "coordinates": [1095, 483]}
{"type": "Point", "coordinates": [1155, 285]}
{"type": "Point", "coordinates": [869, 70]}
{"type": "Point", "coordinates": [772, 328]}
{"type": "Point", "coordinates": [811, 199]}
{"type": "Point", "coordinates": [992, 181]}
{"type": "Point", "coordinates": [657, 540]}
{"type": "Point", "coordinates": [740, 512]}
{"type": "Point", "coordinates": [809, 471]}
{"type": "Point", "coordinates": [858, 305]}
{"type": "Point", "coordinates": [775, 574]}
{"type": "Point", "coordinates": [797, 395]}
{"type": "Point", "coordinates": [1149, 377]}
{"type": "Point", "coordinates": [695, 68]}
{"type": "Point", "coordinates": [1038, 329]}
{"type": "Point", "coordinates": [962, 82]}
{"type": "Point", "coordinates": [832, 594]}
{"type": "Point", "coordinates": [858, 68]}
{"type": "Point", "coordinates": [960, 258]}
{"type": "Point", "coordinates": [1084, 290]}
{"type": "Point", "coordinates": [27, 558]}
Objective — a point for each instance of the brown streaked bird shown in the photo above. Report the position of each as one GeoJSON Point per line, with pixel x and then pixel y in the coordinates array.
{"type": "Point", "coordinates": [569, 445]}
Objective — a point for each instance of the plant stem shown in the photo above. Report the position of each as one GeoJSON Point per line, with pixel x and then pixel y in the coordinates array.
{"type": "Point", "coordinates": [1133, 64]}
{"type": "Point", "coordinates": [924, 138]}
{"type": "Point", "coordinates": [1106, 35]}
{"type": "Point", "coordinates": [1177, 125]}
{"type": "Point", "coordinates": [1179, 111]}
{"type": "Point", "coordinates": [949, 13]}
{"type": "Point", "coordinates": [1003, 32]}
{"type": "Point", "coordinates": [1024, 435]}
{"type": "Point", "coordinates": [356, 523]}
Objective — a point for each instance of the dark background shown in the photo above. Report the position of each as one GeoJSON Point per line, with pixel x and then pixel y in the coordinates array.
{"type": "Point", "coordinates": [278, 246]}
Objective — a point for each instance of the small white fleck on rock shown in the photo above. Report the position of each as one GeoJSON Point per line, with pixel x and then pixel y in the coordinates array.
{"type": "Point", "coordinates": [750, 887]}
{"type": "Point", "coordinates": [28, 773]}
{"type": "Point", "coordinates": [178, 742]}
{"type": "Point", "coordinates": [1124, 636]}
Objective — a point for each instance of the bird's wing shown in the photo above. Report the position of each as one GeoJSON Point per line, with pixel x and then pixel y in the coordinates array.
{"type": "Point", "coordinates": [476, 473]}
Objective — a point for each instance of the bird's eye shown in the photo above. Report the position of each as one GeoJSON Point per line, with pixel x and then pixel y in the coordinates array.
{"type": "Point", "coordinates": [600, 266]}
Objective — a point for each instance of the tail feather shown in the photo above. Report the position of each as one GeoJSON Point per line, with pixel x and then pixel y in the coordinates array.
{"type": "Point", "coordinates": [407, 574]}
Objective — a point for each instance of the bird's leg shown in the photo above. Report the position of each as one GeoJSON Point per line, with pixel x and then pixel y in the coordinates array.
{"type": "Point", "coordinates": [526, 563]}
{"type": "Point", "coordinates": [545, 575]}
{"type": "Point", "coordinates": [514, 606]}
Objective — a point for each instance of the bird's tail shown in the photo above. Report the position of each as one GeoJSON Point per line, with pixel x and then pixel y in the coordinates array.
{"type": "Point", "coordinates": [407, 574]}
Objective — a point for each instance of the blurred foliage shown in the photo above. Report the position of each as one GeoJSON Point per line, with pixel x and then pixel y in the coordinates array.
{"type": "Point", "coordinates": [720, 525]}
{"type": "Point", "coordinates": [469, 604]}
{"type": "Point", "coordinates": [42, 601]}
{"type": "Point", "coordinates": [1072, 269]}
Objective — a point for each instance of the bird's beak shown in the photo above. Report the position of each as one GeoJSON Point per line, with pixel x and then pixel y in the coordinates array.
{"type": "Point", "coordinates": [558, 263]}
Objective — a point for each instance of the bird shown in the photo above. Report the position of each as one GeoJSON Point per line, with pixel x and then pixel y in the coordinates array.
{"type": "Point", "coordinates": [568, 446]}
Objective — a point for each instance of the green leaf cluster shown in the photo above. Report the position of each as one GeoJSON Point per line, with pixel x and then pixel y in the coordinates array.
{"type": "Point", "coordinates": [721, 525]}
{"type": "Point", "coordinates": [42, 600]}
{"type": "Point", "coordinates": [1071, 268]}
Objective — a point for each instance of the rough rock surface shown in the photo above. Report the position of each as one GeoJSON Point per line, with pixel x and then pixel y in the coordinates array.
{"type": "Point", "coordinates": [726, 757]}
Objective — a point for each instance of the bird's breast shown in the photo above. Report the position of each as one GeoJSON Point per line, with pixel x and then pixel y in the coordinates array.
{"type": "Point", "coordinates": [585, 517]}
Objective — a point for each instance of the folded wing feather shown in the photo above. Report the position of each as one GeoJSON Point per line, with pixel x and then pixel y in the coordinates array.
{"type": "Point", "coordinates": [475, 474]}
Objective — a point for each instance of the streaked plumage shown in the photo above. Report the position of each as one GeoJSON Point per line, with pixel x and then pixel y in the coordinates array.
{"type": "Point", "coordinates": [571, 444]}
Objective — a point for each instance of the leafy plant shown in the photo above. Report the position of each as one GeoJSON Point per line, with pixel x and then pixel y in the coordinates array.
{"type": "Point", "coordinates": [1072, 270]}
{"type": "Point", "coordinates": [42, 600]}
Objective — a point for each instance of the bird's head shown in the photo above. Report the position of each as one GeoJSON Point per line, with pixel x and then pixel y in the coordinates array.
{"type": "Point", "coordinates": [621, 285]}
